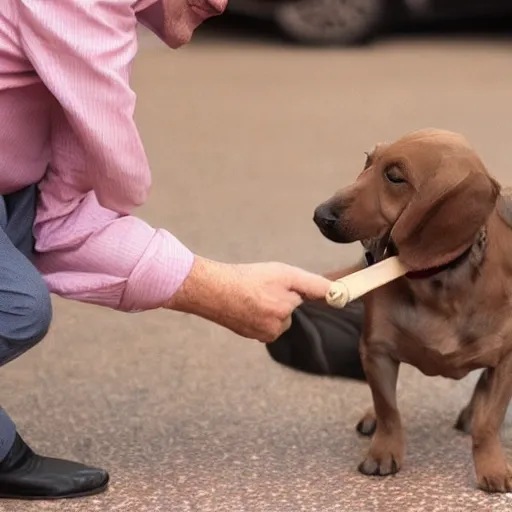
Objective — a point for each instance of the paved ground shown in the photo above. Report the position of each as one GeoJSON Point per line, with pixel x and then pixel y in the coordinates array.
{"type": "Point", "coordinates": [245, 137]}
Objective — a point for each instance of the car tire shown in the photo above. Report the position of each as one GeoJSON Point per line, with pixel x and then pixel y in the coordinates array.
{"type": "Point", "coordinates": [331, 22]}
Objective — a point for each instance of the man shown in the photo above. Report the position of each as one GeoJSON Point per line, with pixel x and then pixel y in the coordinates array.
{"type": "Point", "coordinates": [72, 170]}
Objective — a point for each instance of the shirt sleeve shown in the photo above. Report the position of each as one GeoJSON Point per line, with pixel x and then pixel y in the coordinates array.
{"type": "Point", "coordinates": [88, 253]}
{"type": "Point", "coordinates": [83, 50]}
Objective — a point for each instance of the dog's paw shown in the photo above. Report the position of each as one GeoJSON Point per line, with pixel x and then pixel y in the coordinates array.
{"type": "Point", "coordinates": [463, 423]}
{"type": "Point", "coordinates": [386, 464]}
{"type": "Point", "coordinates": [496, 481]}
{"type": "Point", "coordinates": [367, 424]}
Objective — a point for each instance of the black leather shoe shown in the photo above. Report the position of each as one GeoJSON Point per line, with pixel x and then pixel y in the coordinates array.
{"type": "Point", "coordinates": [26, 475]}
{"type": "Point", "coordinates": [322, 341]}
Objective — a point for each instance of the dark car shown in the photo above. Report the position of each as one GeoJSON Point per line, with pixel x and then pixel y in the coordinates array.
{"type": "Point", "coordinates": [348, 22]}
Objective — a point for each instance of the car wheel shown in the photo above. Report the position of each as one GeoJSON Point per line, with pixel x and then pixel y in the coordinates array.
{"type": "Point", "coordinates": [326, 22]}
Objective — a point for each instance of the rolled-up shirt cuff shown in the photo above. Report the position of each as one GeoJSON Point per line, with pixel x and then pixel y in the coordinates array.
{"type": "Point", "coordinates": [160, 272]}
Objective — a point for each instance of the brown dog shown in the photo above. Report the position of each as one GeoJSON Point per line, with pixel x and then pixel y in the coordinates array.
{"type": "Point", "coordinates": [429, 199]}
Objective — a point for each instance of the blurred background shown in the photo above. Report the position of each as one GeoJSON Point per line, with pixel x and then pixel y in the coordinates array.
{"type": "Point", "coordinates": [355, 22]}
{"type": "Point", "coordinates": [247, 129]}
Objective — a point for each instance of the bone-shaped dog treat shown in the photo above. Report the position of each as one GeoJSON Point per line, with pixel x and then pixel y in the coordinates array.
{"type": "Point", "coordinates": [359, 283]}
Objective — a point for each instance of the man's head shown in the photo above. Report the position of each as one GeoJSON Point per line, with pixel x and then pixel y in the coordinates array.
{"type": "Point", "coordinates": [174, 21]}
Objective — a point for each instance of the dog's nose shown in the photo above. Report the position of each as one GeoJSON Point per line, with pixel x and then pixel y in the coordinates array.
{"type": "Point", "coordinates": [326, 216]}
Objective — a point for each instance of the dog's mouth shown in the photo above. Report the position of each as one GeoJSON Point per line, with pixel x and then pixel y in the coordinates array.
{"type": "Point", "coordinates": [379, 247]}
{"type": "Point", "coordinates": [334, 235]}
{"type": "Point", "coordinates": [332, 224]}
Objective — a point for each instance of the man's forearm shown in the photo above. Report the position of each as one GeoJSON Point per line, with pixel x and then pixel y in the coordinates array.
{"type": "Point", "coordinates": [206, 283]}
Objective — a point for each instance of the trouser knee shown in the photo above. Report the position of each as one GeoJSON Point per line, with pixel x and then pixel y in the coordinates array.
{"type": "Point", "coordinates": [27, 322]}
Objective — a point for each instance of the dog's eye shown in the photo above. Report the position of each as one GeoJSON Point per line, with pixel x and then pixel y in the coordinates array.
{"type": "Point", "coordinates": [393, 174]}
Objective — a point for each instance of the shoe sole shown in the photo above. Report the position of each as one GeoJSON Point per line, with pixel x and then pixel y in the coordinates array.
{"type": "Point", "coordinates": [84, 494]}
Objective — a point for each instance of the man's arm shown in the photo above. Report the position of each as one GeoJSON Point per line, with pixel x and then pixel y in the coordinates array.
{"type": "Point", "coordinates": [94, 255]}
{"type": "Point", "coordinates": [82, 50]}
{"type": "Point", "coordinates": [90, 254]}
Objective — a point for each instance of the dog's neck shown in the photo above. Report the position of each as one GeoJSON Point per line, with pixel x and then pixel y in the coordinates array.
{"type": "Point", "coordinates": [474, 255]}
{"type": "Point", "coordinates": [434, 271]}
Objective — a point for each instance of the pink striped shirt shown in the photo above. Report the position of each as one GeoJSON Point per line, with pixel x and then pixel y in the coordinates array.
{"type": "Point", "coordinates": [66, 122]}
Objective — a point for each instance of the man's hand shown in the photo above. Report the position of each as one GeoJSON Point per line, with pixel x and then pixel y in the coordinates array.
{"type": "Point", "coordinates": [253, 300]}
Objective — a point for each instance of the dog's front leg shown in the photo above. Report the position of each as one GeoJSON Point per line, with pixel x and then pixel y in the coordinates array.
{"type": "Point", "coordinates": [387, 449]}
{"type": "Point", "coordinates": [490, 403]}
{"type": "Point", "coordinates": [465, 418]}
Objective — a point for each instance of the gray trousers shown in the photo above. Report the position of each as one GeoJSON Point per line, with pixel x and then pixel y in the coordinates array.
{"type": "Point", "coordinates": [25, 306]}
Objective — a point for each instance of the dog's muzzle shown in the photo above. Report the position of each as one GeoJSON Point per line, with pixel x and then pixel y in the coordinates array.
{"type": "Point", "coordinates": [326, 216]}
{"type": "Point", "coordinates": [327, 219]}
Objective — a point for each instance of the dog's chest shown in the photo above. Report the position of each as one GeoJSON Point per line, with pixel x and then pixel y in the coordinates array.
{"type": "Point", "coordinates": [440, 343]}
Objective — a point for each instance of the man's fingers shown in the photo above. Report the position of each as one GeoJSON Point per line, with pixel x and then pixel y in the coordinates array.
{"type": "Point", "coordinates": [309, 285]}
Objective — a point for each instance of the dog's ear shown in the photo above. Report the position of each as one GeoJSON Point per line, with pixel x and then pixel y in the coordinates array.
{"type": "Point", "coordinates": [444, 216]}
